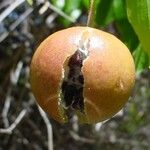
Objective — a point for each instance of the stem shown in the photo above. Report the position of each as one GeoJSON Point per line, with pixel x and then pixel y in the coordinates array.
{"type": "Point", "coordinates": [92, 12]}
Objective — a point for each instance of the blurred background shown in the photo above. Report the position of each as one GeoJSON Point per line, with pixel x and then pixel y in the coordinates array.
{"type": "Point", "coordinates": [23, 126]}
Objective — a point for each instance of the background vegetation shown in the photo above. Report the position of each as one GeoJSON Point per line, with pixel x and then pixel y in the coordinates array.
{"type": "Point", "coordinates": [23, 25]}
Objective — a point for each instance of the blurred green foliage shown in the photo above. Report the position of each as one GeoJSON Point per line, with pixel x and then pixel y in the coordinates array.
{"type": "Point", "coordinates": [139, 16]}
{"type": "Point", "coordinates": [73, 8]}
{"type": "Point", "coordinates": [30, 2]}
{"type": "Point", "coordinates": [141, 59]}
{"type": "Point", "coordinates": [114, 12]}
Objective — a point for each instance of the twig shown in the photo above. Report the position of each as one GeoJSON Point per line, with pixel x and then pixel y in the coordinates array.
{"type": "Point", "coordinates": [8, 10]}
{"type": "Point", "coordinates": [92, 12]}
{"type": "Point", "coordinates": [49, 128]}
{"type": "Point", "coordinates": [10, 129]}
{"type": "Point", "coordinates": [16, 23]}
{"type": "Point", "coordinates": [5, 3]}
{"type": "Point", "coordinates": [75, 124]}
{"type": "Point", "coordinates": [21, 18]}
{"type": "Point", "coordinates": [98, 126]}
{"type": "Point", "coordinates": [61, 13]}
{"type": "Point", "coordinates": [50, 19]}
{"type": "Point", "coordinates": [6, 108]}
{"type": "Point", "coordinates": [44, 8]}
{"type": "Point", "coordinates": [76, 137]}
{"type": "Point", "coordinates": [15, 74]}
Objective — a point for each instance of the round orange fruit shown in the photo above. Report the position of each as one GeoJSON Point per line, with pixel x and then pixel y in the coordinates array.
{"type": "Point", "coordinates": [82, 71]}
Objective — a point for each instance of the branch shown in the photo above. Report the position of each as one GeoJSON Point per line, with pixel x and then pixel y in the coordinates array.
{"type": "Point", "coordinates": [8, 10]}
{"type": "Point", "coordinates": [49, 128]}
{"type": "Point", "coordinates": [76, 137]}
{"type": "Point", "coordinates": [6, 108]}
{"type": "Point", "coordinates": [16, 23]}
{"type": "Point", "coordinates": [10, 129]}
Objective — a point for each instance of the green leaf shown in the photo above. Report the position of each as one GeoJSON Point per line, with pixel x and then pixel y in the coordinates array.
{"type": "Point", "coordinates": [127, 34]}
{"type": "Point", "coordinates": [86, 3]}
{"type": "Point", "coordinates": [104, 14]}
{"type": "Point", "coordinates": [115, 11]}
{"type": "Point", "coordinates": [141, 58]}
{"type": "Point", "coordinates": [109, 11]}
{"type": "Point", "coordinates": [119, 9]}
{"type": "Point", "coordinates": [30, 2]}
{"type": "Point", "coordinates": [58, 3]}
{"type": "Point", "coordinates": [139, 16]}
{"type": "Point", "coordinates": [73, 9]}
{"type": "Point", "coordinates": [70, 5]}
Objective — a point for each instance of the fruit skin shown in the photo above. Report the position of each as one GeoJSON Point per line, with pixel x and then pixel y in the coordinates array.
{"type": "Point", "coordinates": [109, 73]}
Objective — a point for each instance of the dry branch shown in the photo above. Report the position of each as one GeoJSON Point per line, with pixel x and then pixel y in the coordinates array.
{"type": "Point", "coordinates": [8, 10]}
{"type": "Point", "coordinates": [10, 129]}
{"type": "Point", "coordinates": [49, 128]}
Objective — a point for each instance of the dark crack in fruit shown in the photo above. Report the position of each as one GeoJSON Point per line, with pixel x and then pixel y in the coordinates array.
{"type": "Point", "coordinates": [72, 86]}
